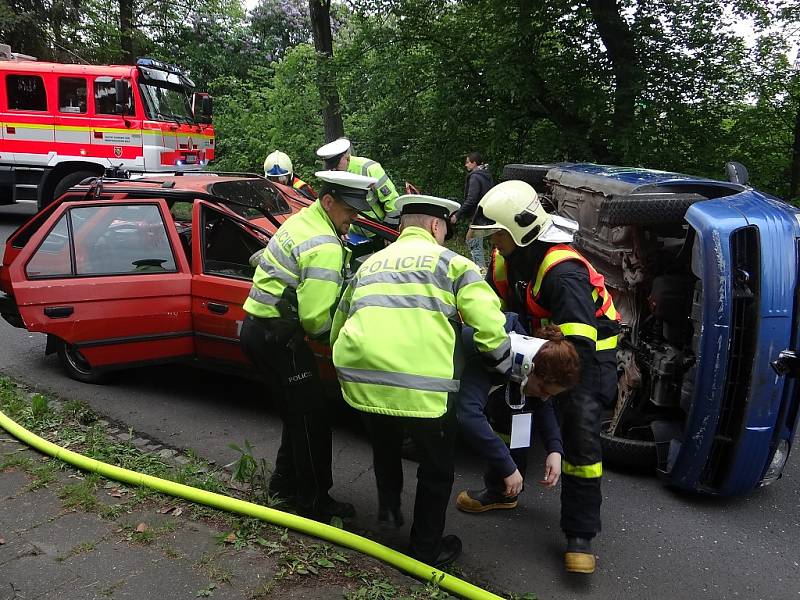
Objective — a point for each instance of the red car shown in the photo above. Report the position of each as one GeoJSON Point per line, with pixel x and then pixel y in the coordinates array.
{"type": "Point", "coordinates": [122, 272]}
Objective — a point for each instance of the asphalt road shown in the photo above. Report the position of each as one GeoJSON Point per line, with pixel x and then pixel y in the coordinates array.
{"type": "Point", "coordinates": [656, 543]}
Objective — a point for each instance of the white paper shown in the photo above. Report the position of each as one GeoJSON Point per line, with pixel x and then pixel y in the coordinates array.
{"type": "Point", "coordinates": [520, 430]}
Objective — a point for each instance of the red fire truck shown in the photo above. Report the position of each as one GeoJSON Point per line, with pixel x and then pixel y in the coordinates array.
{"type": "Point", "coordinates": [62, 123]}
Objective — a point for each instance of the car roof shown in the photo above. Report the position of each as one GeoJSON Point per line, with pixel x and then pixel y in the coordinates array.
{"type": "Point", "coordinates": [611, 180]}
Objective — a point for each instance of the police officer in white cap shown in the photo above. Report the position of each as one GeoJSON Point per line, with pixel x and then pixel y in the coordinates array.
{"type": "Point", "coordinates": [296, 286]}
{"type": "Point", "coordinates": [382, 197]}
{"type": "Point", "coordinates": [396, 350]}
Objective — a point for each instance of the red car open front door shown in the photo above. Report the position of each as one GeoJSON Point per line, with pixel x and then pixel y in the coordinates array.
{"type": "Point", "coordinates": [110, 280]}
{"type": "Point", "coordinates": [222, 244]}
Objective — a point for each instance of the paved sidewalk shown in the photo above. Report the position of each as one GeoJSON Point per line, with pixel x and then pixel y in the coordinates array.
{"type": "Point", "coordinates": [68, 534]}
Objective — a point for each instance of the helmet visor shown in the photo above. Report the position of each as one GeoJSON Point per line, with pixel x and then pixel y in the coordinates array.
{"type": "Point", "coordinates": [277, 171]}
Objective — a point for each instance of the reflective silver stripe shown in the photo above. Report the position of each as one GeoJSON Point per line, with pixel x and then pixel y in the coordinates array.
{"type": "Point", "coordinates": [313, 242]}
{"type": "Point", "coordinates": [498, 352]}
{"type": "Point", "coordinates": [344, 306]}
{"type": "Point", "coordinates": [365, 167]}
{"type": "Point", "coordinates": [263, 297]}
{"type": "Point", "coordinates": [403, 380]}
{"type": "Point", "coordinates": [467, 278]}
{"type": "Point", "coordinates": [322, 274]}
{"type": "Point", "coordinates": [415, 301]}
{"type": "Point", "coordinates": [437, 278]}
{"type": "Point", "coordinates": [381, 181]}
{"type": "Point", "coordinates": [276, 273]}
{"type": "Point", "coordinates": [505, 365]}
{"type": "Point", "coordinates": [326, 326]}
{"type": "Point", "coordinates": [287, 262]}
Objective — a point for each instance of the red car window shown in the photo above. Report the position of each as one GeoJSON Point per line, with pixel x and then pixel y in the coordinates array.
{"type": "Point", "coordinates": [52, 258]}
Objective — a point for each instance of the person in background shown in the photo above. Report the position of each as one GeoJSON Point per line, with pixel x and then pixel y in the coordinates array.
{"type": "Point", "coordinates": [484, 420]}
{"type": "Point", "coordinates": [541, 277]}
{"type": "Point", "coordinates": [296, 287]}
{"type": "Point", "coordinates": [397, 352]}
{"type": "Point", "coordinates": [382, 197]}
{"type": "Point", "coordinates": [278, 168]}
{"type": "Point", "coordinates": [477, 183]}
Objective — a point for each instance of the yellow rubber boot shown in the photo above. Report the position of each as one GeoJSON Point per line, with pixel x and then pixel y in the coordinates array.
{"type": "Point", "coordinates": [579, 557]}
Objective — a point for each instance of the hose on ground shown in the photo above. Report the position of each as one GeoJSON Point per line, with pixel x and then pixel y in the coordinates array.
{"type": "Point", "coordinates": [322, 531]}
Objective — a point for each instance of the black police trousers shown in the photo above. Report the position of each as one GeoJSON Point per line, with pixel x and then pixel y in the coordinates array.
{"type": "Point", "coordinates": [580, 413]}
{"type": "Point", "coordinates": [285, 361]}
{"type": "Point", "coordinates": [434, 439]}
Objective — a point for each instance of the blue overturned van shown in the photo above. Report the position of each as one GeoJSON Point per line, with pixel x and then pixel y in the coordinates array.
{"type": "Point", "coordinates": [705, 275]}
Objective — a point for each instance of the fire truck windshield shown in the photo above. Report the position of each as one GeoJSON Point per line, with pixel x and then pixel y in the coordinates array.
{"type": "Point", "coordinates": [166, 102]}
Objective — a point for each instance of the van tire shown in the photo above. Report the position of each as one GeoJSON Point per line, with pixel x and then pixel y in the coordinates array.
{"type": "Point", "coordinates": [638, 455]}
{"type": "Point", "coordinates": [647, 211]}
{"type": "Point", "coordinates": [67, 182]}
{"type": "Point", "coordinates": [530, 174]}
{"type": "Point", "coordinates": [76, 366]}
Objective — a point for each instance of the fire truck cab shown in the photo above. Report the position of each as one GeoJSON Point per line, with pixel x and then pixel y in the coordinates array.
{"type": "Point", "coordinates": [62, 123]}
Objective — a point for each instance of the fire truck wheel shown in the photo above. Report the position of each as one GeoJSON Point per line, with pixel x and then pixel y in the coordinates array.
{"type": "Point", "coordinates": [67, 182]}
{"type": "Point", "coordinates": [77, 366]}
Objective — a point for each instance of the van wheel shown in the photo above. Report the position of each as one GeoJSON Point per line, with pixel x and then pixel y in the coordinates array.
{"type": "Point", "coordinates": [530, 174]}
{"type": "Point", "coordinates": [647, 211]}
{"type": "Point", "coordinates": [77, 367]}
{"type": "Point", "coordinates": [639, 455]}
{"type": "Point", "coordinates": [67, 182]}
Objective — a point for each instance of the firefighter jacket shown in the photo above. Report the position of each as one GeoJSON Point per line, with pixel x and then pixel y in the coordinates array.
{"type": "Point", "coordinates": [396, 333]}
{"type": "Point", "coordinates": [300, 273]}
{"type": "Point", "coordinates": [383, 196]}
{"type": "Point", "coordinates": [302, 187]}
{"type": "Point", "coordinates": [553, 283]}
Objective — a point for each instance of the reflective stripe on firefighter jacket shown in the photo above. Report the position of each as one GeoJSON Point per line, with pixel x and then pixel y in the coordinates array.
{"type": "Point", "coordinates": [539, 315]}
{"type": "Point", "coordinates": [302, 187]}
{"type": "Point", "coordinates": [299, 274]}
{"type": "Point", "coordinates": [395, 336]}
{"type": "Point", "coordinates": [383, 196]}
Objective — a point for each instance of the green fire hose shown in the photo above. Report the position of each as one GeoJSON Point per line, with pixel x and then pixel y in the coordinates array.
{"type": "Point", "coordinates": [282, 519]}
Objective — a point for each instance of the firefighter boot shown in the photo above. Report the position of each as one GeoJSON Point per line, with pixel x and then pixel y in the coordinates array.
{"type": "Point", "coordinates": [579, 557]}
{"type": "Point", "coordinates": [390, 518]}
{"type": "Point", "coordinates": [478, 501]}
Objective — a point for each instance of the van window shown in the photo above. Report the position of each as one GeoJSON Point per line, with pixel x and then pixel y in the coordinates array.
{"type": "Point", "coordinates": [26, 92]}
{"type": "Point", "coordinates": [105, 98]}
{"type": "Point", "coordinates": [72, 95]}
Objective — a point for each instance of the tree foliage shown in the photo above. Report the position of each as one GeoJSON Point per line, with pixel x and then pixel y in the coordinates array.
{"type": "Point", "coordinates": [670, 84]}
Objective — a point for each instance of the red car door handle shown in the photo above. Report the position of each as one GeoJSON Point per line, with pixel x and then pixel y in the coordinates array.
{"type": "Point", "coordinates": [58, 312]}
{"type": "Point", "coordinates": [218, 308]}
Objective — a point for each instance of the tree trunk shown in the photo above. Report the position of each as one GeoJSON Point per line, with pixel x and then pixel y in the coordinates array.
{"type": "Point", "coordinates": [126, 31]}
{"type": "Point", "coordinates": [319, 11]}
{"type": "Point", "coordinates": [794, 185]}
{"type": "Point", "coordinates": [618, 39]}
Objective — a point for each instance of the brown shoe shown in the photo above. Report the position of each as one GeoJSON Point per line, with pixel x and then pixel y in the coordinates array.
{"type": "Point", "coordinates": [579, 557]}
{"type": "Point", "coordinates": [478, 501]}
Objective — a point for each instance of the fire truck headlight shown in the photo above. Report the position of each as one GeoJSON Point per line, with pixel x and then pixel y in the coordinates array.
{"type": "Point", "coordinates": [178, 163]}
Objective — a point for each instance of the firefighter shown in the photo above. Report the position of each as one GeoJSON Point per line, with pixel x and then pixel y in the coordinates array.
{"type": "Point", "coordinates": [295, 290]}
{"type": "Point", "coordinates": [382, 198]}
{"type": "Point", "coordinates": [539, 275]}
{"type": "Point", "coordinates": [278, 167]}
{"type": "Point", "coordinates": [397, 352]}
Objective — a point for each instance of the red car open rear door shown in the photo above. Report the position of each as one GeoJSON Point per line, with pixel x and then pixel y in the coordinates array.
{"type": "Point", "coordinates": [109, 279]}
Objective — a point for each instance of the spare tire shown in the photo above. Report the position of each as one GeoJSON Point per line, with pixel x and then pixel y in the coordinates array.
{"type": "Point", "coordinates": [639, 455]}
{"type": "Point", "coordinates": [656, 209]}
{"type": "Point", "coordinates": [531, 174]}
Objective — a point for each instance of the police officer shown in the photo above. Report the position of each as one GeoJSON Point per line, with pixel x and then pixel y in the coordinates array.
{"type": "Point", "coordinates": [278, 167]}
{"type": "Point", "coordinates": [539, 275]}
{"type": "Point", "coordinates": [397, 352]}
{"type": "Point", "coordinates": [382, 197]}
{"type": "Point", "coordinates": [296, 287]}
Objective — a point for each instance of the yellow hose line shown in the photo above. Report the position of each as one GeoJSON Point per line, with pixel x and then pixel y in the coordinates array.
{"type": "Point", "coordinates": [282, 519]}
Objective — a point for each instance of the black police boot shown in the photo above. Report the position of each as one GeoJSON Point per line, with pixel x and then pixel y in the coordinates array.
{"type": "Point", "coordinates": [478, 501]}
{"type": "Point", "coordinates": [329, 509]}
{"type": "Point", "coordinates": [450, 551]}
{"type": "Point", "coordinates": [390, 518]}
{"type": "Point", "coordinates": [579, 557]}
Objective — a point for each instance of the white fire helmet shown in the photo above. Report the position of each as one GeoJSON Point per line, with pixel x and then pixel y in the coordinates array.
{"type": "Point", "coordinates": [515, 207]}
{"type": "Point", "coordinates": [278, 165]}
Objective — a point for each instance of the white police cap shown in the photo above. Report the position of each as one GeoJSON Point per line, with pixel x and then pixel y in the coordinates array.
{"type": "Point", "coordinates": [420, 204]}
{"type": "Point", "coordinates": [348, 187]}
{"type": "Point", "coordinates": [334, 148]}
